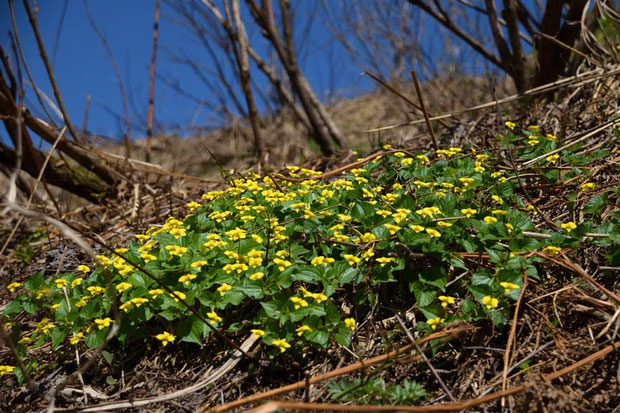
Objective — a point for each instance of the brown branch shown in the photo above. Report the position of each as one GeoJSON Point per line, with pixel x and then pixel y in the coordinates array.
{"type": "Point", "coordinates": [520, 74]}
{"type": "Point", "coordinates": [149, 126]}
{"type": "Point", "coordinates": [424, 111]}
{"type": "Point", "coordinates": [50, 72]}
{"type": "Point", "coordinates": [446, 334]}
{"type": "Point", "coordinates": [450, 25]}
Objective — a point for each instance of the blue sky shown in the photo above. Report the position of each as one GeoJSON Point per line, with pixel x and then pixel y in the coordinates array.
{"type": "Point", "coordinates": [82, 66]}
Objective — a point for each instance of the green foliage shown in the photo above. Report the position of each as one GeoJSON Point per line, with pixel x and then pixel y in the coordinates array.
{"type": "Point", "coordinates": [282, 259]}
{"type": "Point", "coordinates": [373, 389]}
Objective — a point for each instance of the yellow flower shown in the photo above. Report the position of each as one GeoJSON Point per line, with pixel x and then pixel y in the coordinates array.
{"type": "Point", "coordinates": [551, 250]}
{"type": "Point", "coordinates": [282, 264]}
{"type": "Point", "coordinates": [392, 228]}
{"type": "Point", "coordinates": [351, 259]}
{"type": "Point", "coordinates": [258, 333]}
{"type": "Point", "coordinates": [384, 213]}
{"type": "Point", "coordinates": [54, 307]}
{"type": "Point", "coordinates": [423, 158]}
{"type": "Point", "coordinates": [444, 224]}
{"type": "Point", "coordinates": [299, 302]}
{"type": "Point", "coordinates": [193, 205]}
{"type": "Point", "coordinates": [510, 227]}
{"type": "Point", "coordinates": [552, 158]}
{"type": "Point", "coordinates": [569, 226]}
{"type": "Point", "coordinates": [165, 338]}
{"type": "Point", "coordinates": [588, 186]}
{"type": "Point", "coordinates": [187, 278]}
{"type": "Point", "coordinates": [301, 330]}
{"type": "Point", "coordinates": [222, 289]}
{"type": "Point", "coordinates": [551, 137]}
{"type": "Point", "coordinates": [76, 282]}
{"type": "Point", "coordinates": [350, 323]}
{"type": "Point", "coordinates": [6, 370]}
{"type": "Point", "coordinates": [95, 290]}
{"type": "Point", "coordinates": [490, 220]}
{"type": "Point", "coordinates": [198, 264]}
{"type": "Point", "coordinates": [235, 234]}
{"type": "Point", "coordinates": [508, 287]}
{"type": "Point", "coordinates": [387, 146]}
{"type": "Point", "coordinates": [510, 125]}
{"type": "Point", "coordinates": [533, 128]}
{"type": "Point", "coordinates": [407, 161]}
{"type": "Point", "coordinates": [120, 287]}
{"type": "Point", "coordinates": [83, 301]}
{"type": "Point", "coordinates": [103, 322]}
{"type": "Point", "coordinates": [214, 317]}
{"type": "Point", "coordinates": [176, 250]}
{"type": "Point", "coordinates": [368, 254]}
{"type": "Point", "coordinates": [466, 181]}
{"type": "Point", "coordinates": [446, 300]}
{"type": "Point", "coordinates": [490, 302]}
{"type": "Point", "coordinates": [61, 283]}
{"type": "Point", "coordinates": [417, 228]}
{"type": "Point", "coordinates": [318, 260]}
{"type": "Point", "coordinates": [13, 286]}
{"type": "Point", "coordinates": [385, 260]}
{"type": "Point", "coordinates": [433, 233]}
{"type": "Point", "coordinates": [156, 292]}
{"type": "Point", "coordinates": [318, 297]}
{"type": "Point", "coordinates": [434, 322]}
{"type": "Point", "coordinates": [177, 295]}
{"type": "Point", "coordinates": [83, 268]}
{"type": "Point", "coordinates": [468, 212]}
{"type": "Point", "coordinates": [499, 212]}
{"type": "Point", "coordinates": [76, 338]}
{"type": "Point", "coordinates": [41, 292]}
{"type": "Point", "coordinates": [142, 237]}
{"type": "Point", "coordinates": [281, 344]}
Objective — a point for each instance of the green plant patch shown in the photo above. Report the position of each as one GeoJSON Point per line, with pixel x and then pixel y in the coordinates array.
{"type": "Point", "coordinates": [299, 260]}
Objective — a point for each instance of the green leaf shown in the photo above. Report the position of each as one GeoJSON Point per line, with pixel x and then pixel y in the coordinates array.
{"type": "Point", "coordinates": [434, 276]}
{"type": "Point", "coordinates": [252, 290]}
{"type": "Point", "coordinates": [424, 294]}
{"type": "Point", "coordinates": [96, 338]}
{"type": "Point", "coordinates": [58, 335]}
{"type": "Point", "coordinates": [191, 330]}
{"type": "Point", "coordinates": [343, 335]}
{"type": "Point", "coordinates": [318, 336]}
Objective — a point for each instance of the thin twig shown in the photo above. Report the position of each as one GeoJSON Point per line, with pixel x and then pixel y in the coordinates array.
{"type": "Point", "coordinates": [424, 358]}
{"type": "Point", "coordinates": [149, 126]}
{"type": "Point", "coordinates": [424, 111]}
{"type": "Point", "coordinates": [50, 72]}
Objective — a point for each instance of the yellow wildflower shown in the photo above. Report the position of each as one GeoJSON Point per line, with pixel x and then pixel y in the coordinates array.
{"type": "Point", "coordinates": [156, 292]}
{"type": "Point", "coordinates": [120, 287]}
{"type": "Point", "coordinates": [61, 283]}
{"type": "Point", "coordinates": [490, 220]}
{"type": "Point", "coordinates": [552, 158]}
{"type": "Point", "coordinates": [446, 300]}
{"type": "Point", "coordinates": [392, 228]}
{"type": "Point", "coordinates": [222, 289]}
{"type": "Point", "coordinates": [351, 259]}
{"type": "Point", "coordinates": [103, 322]}
{"type": "Point", "coordinates": [434, 322]}
{"type": "Point", "coordinates": [433, 233]}
{"type": "Point", "coordinates": [198, 264]}
{"type": "Point", "coordinates": [281, 344]}
{"type": "Point", "coordinates": [417, 228]}
{"type": "Point", "coordinates": [187, 278]}
{"type": "Point", "coordinates": [510, 125]}
{"type": "Point", "coordinates": [301, 330]}
{"type": "Point", "coordinates": [468, 212]}
{"type": "Point", "coordinates": [508, 287]}
{"type": "Point", "coordinates": [551, 250]}
{"type": "Point", "coordinates": [587, 186]}
{"type": "Point", "coordinates": [177, 295]}
{"type": "Point", "coordinates": [214, 318]}
{"type": "Point", "coordinates": [13, 286]}
{"type": "Point", "coordinates": [83, 268]}
{"type": "Point", "coordinates": [299, 302]}
{"type": "Point", "coordinates": [165, 338]}
{"type": "Point", "coordinates": [6, 370]}
{"type": "Point", "coordinates": [258, 333]}
{"type": "Point", "coordinates": [282, 264]}
{"type": "Point", "coordinates": [257, 276]}
{"type": "Point", "coordinates": [490, 302]}
{"type": "Point", "coordinates": [193, 205]}
{"type": "Point", "coordinates": [76, 338]}
{"type": "Point", "coordinates": [350, 323]}
{"type": "Point", "coordinates": [569, 226]}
